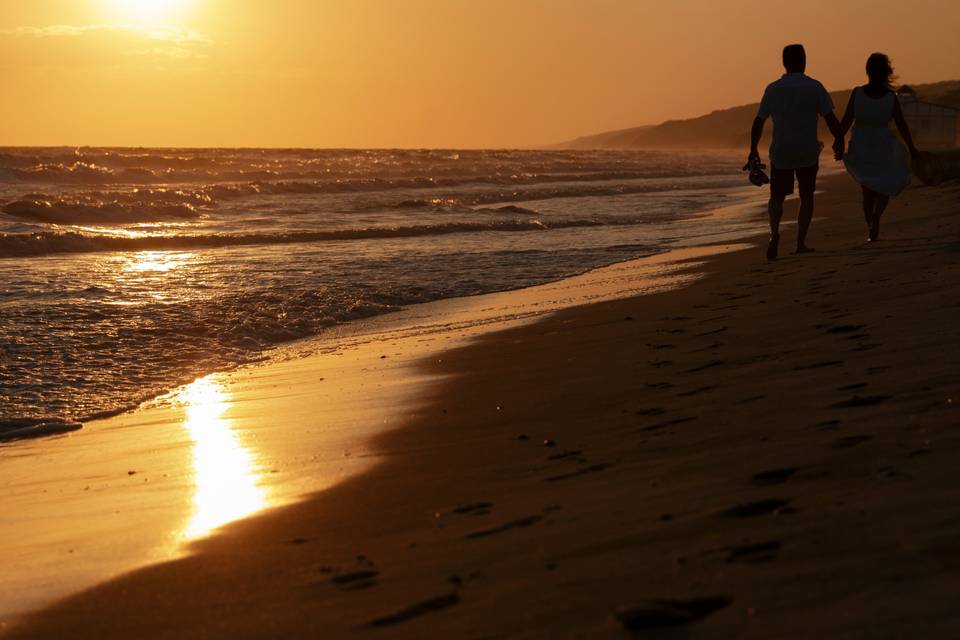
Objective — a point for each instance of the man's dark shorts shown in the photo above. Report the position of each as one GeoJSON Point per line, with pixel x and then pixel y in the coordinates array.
{"type": "Point", "coordinates": [781, 180]}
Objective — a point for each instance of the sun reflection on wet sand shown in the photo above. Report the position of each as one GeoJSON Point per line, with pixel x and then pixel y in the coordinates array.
{"type": "Point", "coordinates": [225, 475]}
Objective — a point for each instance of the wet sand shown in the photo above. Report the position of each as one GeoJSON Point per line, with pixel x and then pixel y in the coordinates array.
{"type": "Point", "coordinates": [769, 451]}
{"type": "Point", "coordinates": [142, 487]}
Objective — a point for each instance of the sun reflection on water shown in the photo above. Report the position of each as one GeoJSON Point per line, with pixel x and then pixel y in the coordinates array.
{"type": "Point", "coordinates": [226, 478]}
{"type": "Point", "coordinates": [156, 260]}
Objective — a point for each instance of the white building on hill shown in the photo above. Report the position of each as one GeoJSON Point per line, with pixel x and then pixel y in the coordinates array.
{"type": "Point", "coordinates": [932, 125]}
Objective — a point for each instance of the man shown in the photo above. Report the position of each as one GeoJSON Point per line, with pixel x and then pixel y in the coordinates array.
{"type": "Point", "coordinates": [794, 101]}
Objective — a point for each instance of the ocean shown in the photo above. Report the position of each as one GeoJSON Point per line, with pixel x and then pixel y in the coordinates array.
{"type": "Point", "coordinates": [127, 272]}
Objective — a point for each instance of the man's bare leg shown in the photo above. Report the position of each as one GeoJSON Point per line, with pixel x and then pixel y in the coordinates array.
{"type": "Point", "coordinates": [775, 210]}
{"type": "Point", "coordinates": [803, 221]}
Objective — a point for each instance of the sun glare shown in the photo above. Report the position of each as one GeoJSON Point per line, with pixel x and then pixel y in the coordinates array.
{"type": "Point", "coordinates": [146, 12]}
{"type": "Point", "coordinates": [226, 476]}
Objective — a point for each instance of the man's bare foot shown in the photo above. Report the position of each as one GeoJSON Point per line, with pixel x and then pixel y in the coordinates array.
{"type": "Point", "coordinates": [874, 229]}
{"type": "Point", "coordinates": [802, 248]}
{"type": "Point", "coordinates": [773, 247]}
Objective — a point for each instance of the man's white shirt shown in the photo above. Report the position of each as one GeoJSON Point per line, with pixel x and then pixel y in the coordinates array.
{"type": "Point", "coordinates": [795, 102]}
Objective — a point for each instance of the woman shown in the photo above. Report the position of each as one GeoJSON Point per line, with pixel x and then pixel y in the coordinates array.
{"type": "Point", "coordinates": [876, 159]}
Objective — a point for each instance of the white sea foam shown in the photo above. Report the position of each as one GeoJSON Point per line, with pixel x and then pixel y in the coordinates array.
{"type": "Point", "coordinates": [124, 272]}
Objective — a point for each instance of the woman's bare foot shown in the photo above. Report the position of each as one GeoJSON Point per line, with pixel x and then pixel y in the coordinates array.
{"type": "Point", "coordinates": [874, 229]}
{"type": "Point", "coordinates": [773, 247]}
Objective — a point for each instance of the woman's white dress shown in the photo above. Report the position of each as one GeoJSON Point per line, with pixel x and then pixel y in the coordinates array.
{"type": "Point", "coordinates": [876, 158]}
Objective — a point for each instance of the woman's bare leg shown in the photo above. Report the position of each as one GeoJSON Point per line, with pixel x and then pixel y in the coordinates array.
{"type": "Point", "coordinates": [879, 207]}
{"type": "Point", "coordinates": [869, 203]}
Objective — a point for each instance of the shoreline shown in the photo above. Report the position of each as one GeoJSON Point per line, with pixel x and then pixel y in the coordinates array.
{"type": "Point", "coordinates": [25, 428]}
{"type": "Point", "coordinates": [652, 467]}
{"type": "Point", "coordinates": [144, 480]}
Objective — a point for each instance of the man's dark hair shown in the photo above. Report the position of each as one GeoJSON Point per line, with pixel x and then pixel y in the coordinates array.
{"type": "Point", "coordinates": [794, 58]}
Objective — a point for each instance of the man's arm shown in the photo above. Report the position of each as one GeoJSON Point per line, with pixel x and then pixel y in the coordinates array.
{"type": "Point", "coordinates": [834, 125]}
{"type": "Point", "coordinates": [839, 144]}
{"type": "Point", "coordinates": [756, 132]}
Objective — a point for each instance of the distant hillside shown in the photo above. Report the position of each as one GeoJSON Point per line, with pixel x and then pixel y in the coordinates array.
{"type": "Point", "coordinates": [729, 128]}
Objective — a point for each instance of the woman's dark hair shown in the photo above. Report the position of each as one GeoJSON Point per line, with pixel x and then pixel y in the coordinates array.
{"type": "Point", "coordinates": [880, 71]}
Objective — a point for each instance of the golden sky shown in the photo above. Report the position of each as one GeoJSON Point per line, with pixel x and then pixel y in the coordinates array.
{"type": "Point", "coordinates": [424, 73]}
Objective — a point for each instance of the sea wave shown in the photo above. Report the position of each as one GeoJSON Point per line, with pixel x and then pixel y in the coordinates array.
{"type": "Point", "coordinates": [65, 211]}
{"type": "Point", "coordinates": [285, 178]}
{"type": "Point", "coordinates": [88, 335]}
{"type": "Point", "coordinates": [472, 200]}
{"type": "Point", "coordinates": [48, 242]}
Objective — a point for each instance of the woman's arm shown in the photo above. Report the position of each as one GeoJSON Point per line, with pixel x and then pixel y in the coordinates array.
{"type": "Point", "coordinates": [902, 126]}
{"type": "Point", "coordinates": [848, 115]}
{"type": "Point", "coordinates": [845, 124]}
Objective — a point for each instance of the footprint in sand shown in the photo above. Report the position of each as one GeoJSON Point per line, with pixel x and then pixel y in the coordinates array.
{"type": "Point", "coordinates": [659, 385]}
{"type": "Point", "coordinates": [704, 367]}
{"type": "Point", "coordinates": [773, 476]}
{"type": "Point", "coordinates": [665, 613]}
{"type": "Point", "coordinates": [520, 523]}
{"type": "Point", "coordinates": [355, 580]}
{"type": "Point", "coordinates": [710, 333]}
{"type": "Point", "coordinates": [566, 454]}
{"type": "Point", "coordinates": [474, 509]}
{"type": "Point", "coordinates": [850, 441]}
{"type": "Point", "coordinates": [667, 423]}
{"type": "Point", "coordinates": [846, 328]}
{"type": "Point", "coordinates": [752, 509]}
{"type": "Point", "coordinates": [652, 411]}
{"type": "Point", "coordinates": [860, 401]}
{"type": "Point", "coordinates": [696, 391]}
{"type": "Point", "coordinates": [827, 425]}
{"type": "Point", "coordinates": [852, 387]}
{"type": "Point", "coordinates": [657, 364]}
{"type": "Point", "coordinates": [416, 610]}
{"type": "Point", "coordinates": [709, 347]}
{"type": "Point", "coordinates": [594, 468]}
{"type": "Point", "coordinates": [818, 365]}
{"type": "Point", "coordinates": [754, 553]}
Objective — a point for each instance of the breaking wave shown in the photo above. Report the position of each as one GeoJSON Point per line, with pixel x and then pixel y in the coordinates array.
{"type": "Point", "coordinates": [61, 211]}
{"type": "Point", "coordinates": [48, 242]}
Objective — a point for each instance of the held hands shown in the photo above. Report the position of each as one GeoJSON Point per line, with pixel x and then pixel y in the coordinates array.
{"type": "Point", "coordinates": [839, 147]}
